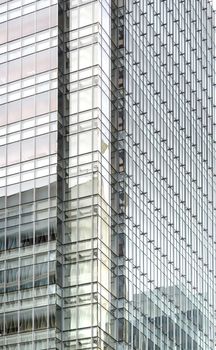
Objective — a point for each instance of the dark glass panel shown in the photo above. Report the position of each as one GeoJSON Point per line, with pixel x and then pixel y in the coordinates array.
{"type": "Point", "coordinates": [1, 281]}
{"type": "Point", "coordinates": [26, 235]}
{"type": "Point", "coordinates": [41, 275]}
{"type": "Point", "coordinates": [40, 318]}
{"type": "Point", "coordinates": [26, 277]}
{"type": "Point", "coordinates": [41, 231]}
{"type": "Point", "coordinates": [25, 321]}
{"type": "Point", "coordinates": [12, 237]}
{"type": "Point", "coordinates": [11, 323]}
{"type": "Point", "coordinates": [11, 280]}
{"type": "Point", "coordinates": [2, 240]}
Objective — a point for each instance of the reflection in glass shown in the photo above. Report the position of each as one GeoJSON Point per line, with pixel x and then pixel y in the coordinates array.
{"type": "Point", "coordinates": [13, 153]}
{"type": "Point", "coordinates": [14, 111]}
{"type": "Point", "coordinates": [40, 318]}
{"type": "Point", "coordinates": [11, 280]}
{"type": "Point", "coordinates": [11, 323]}
{"type": "Point", "coordinates": [42, 145]}
{"type": "Point", "coordinates": [27, 149]}
{"type": "Point", "coordinates": [28, 107]}
{"type": "Point", "coordinates": [25, 321]}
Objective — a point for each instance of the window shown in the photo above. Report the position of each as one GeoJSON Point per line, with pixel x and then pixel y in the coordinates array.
{"type": "Point", "coordinates": [41, 231]}
{"type": "Point", "coordinates": [28, 107]}
{"type": "Point", "coordinates": [13, 153]}
{"type": "Point", "coordinates": [3, 73]}
{"type": "Point", "coordinates": [85, 142]}
{"type": "Point", "coordinates": [42, 20]}
{"type": "Point", "coordinates": [3, 32]}
{"type": "Point", "coordinates": [28, 66]}
{"type": "Point", "coordinates": [26, 277]}
{"type": "Point", "coordinates": [41, 275]}
{"type": "Point", "coordinates": [1, 281]}
{"type": "Point", "coordinates": [28, 24]}
{"type": "Point", "coordinates": [40, 318]}
{"type": "Point", "coordinates": [27, 149]}
{"type": "Point", "coordinates": [26, 235]}
{"type": "Point", "coordinates": [14, 70]}
{"type": "Point", "coordinates": [2, 156]}
{"type": "Point", "coordinates": [11, 323]}
{"type": "Point", "coordinates": [43, 61]}
{"type": "Point", "coordinates": [85, 57]}
{"type": "Point", "coordinates": [3, 113]}
{"type": "Point", "coordinates": [25, 321]}
{"type": "Point", "coordinates": [14, 29]}
{"type": "Point", "coordinates": [42, 103]}
{"type": "Point", "coordinates": [11, 280]}
{"type": "Point", "coordinates": [14, 111]}
{"type": "Point", "coordinates": [42, 145]}
{"type": "Point", "coordinates": [86, 15]}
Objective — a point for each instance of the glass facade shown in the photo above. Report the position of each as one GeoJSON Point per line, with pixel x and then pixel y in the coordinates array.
{"type": "Point", "coordinates": [163, 196]}
{"type": "Point", "coordinates": [107, 141]}
{"type": "Point", "coordinates": [30, 264]}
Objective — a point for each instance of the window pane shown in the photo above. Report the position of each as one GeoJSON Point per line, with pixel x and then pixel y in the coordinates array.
{"type": "Point", "coordinates": [43, 61]}
{"type": "Point", "coordinates": [28, 107]}
{"type": "Point", "coordinates": [26, 277]}
{"type": "Point", "coordinates": [2, 155]}
{"type": "Point", "coordinates": [13, 153]}
{"type": "Point", "coordinates": [85, 99]}
{"type": "Point", "coordinates": [28, 66]}
{"type": "Point", "coordinates": [25, 321]}
{"type": "Point", "coordinates": [2, 240]}
{"type": "Point", "coordinates": [27, 149]}
{"type": "Point", "coordinates": [53, 100]}
{"type": "Point", "coordinates": [12, 238]}
{"type": "Point", "coordinates": [53, 16]}
{"type": "Point", "coordinates": [85, 228]}
{"type": "Point", "coordinates": [85, 272]}
{"type": "Point", "coordinates": [14, 111]}
{"type": "Point", "coordinates": [42, 145]}
{"type": "Point", "coordinates": [41, 275]}
{"type": "Point", "coordinates": [28, 24]}
{"type": "Point", "coordinates": [85, 142]}
{"type": "Point", "coordinates": [26, 235]}
{"type": "Point", "coordinates": [1, 281]}
{"type": "Point", "coordinates": [41, 231]}
{"type": "Point", "coordinates": [54, 57]}
{"type": "Point", "coordinates": [3, 114]}
{"type": "Point", "coordinates": [84, 316]}
{"type": "Point", "coordinates": [42, 103]}
{"type": "Point", "coordinates": [11, 280]}
{"type": "Point", "coordinates": [40, 318]}
{"type": "Point", "coordinates": [41, 193]}
{"type": "Point", "coordinates": [14, 70]}
{"type": "Point", "coordinates": [86, 15]}
{"type": "Point", "coordinates": [3, 32]}
{"type": "Point", "coordinates": [42, 19]}
{"type": "Point", "coordinates": [3, 73]}
{"type": "Point", "coordinates": [14, 28]}
{"type": "Point", "coordinates": [85, 57]}
{"type": "Point", "coordinates": [11, 323]}
{"type": "Point", "coordinates": [53, 142]}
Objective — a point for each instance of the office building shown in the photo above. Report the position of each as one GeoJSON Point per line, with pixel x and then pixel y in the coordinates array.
{"type": "Point", "coordinates": [107, 175]}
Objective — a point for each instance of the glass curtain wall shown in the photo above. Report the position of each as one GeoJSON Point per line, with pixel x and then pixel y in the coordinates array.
{"type": "Point", "coordinates": [164, 154]}
{"type": "Point", "coordinates": [87, 244]}
{"type": "Point", "coordinates": [29, 295]}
